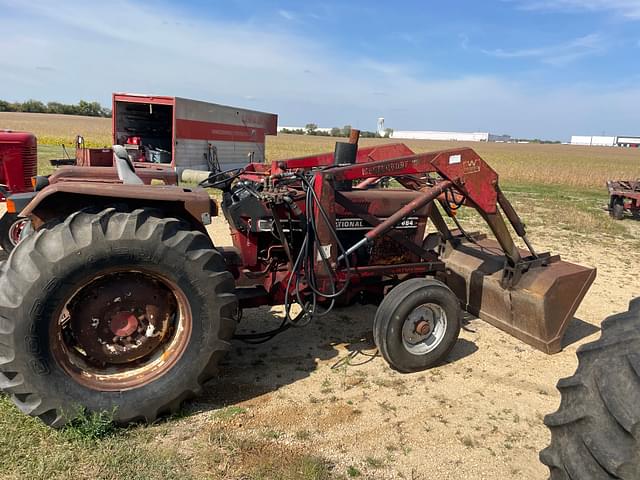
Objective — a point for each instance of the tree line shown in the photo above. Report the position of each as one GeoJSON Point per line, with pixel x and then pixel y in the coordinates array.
{"type": "Point", "coordinates": [312, 129]}
{"type": "Point", "coordinates": [87, 109]}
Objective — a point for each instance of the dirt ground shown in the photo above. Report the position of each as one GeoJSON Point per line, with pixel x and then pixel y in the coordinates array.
{"type": "Point", "coordinates": [478, 416]}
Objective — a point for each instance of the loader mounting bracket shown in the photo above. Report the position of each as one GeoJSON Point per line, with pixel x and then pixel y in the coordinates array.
{"type": "Point", "coordinates": [513, 273]}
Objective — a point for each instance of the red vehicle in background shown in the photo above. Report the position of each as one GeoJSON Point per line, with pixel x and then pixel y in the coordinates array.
{"type": "Point", "coordinates": [18, 165]}
{"type": "Point", "coordinates": [624, 196]}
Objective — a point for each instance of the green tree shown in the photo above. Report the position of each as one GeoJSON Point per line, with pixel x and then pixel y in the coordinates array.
{"type": "Point", "coordinates": [55, 107]}
{"type": "Point", "coordinates": [346, 130]}
{"type": "Point", "coordinates": [33, 106]}
{"type": "Point", "coordinates": [311, 128]}
{"type": "Point", "coordinates": [90, 109]}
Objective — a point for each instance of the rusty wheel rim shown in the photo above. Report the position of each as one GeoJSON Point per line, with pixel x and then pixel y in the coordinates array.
{"type": "Point", "coordinates": [121, 330]}
{"type": "Point", "coordinates": [424, 328]}
{"type": "Point", "coordinates": [15, 230]}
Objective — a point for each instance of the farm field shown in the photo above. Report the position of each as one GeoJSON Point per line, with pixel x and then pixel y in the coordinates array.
{"type": "Point", "coordinates": [294, 409]}
{"type": "Point", "coordinates": [559, 165]}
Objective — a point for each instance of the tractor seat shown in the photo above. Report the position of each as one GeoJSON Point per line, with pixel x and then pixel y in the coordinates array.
{"type": "Point", "coordinates": [124, 167]}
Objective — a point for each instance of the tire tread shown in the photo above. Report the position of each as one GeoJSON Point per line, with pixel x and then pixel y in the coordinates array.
{"type": "Point", "coordinates": [595, 433]}
{"type": "Point", "coordinates": [39, 253]}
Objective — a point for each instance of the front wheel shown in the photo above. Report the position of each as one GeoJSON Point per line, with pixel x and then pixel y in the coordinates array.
{"type": "Point", "coordinates": [11, 228]}
{"type": "Point", "coordinates": [617, 209]}
{"type": "Point", "coordinates": [417, 324]}
{"type": "Point", "coordinates": [125, 312]}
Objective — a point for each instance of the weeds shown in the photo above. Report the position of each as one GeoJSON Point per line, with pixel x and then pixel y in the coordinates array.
{"type": "Point", "coordinates": [91, 426]}
{"type": "Point", "coordinates": [229, 412]}
{"type": "Point", "coordinates": [374, 462]}
{"type": "Point", "coordinates": [353, 471]}
{"type": "Point", "coordinates": [303, 435]}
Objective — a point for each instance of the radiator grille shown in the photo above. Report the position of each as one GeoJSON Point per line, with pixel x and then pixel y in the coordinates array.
{"type": "Point", "coordinates": [29, 164]}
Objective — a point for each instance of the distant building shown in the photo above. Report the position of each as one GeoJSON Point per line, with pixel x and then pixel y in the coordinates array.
{"type": "Point", "coordinates": [593, 140]}
{"type": "Point", "coordinates": [449, 136]}
{"type": "Point", "coordinates": [633, 142]}
{"type": "Point", "coordinates": [499, 138]}
{"type": "Point", "coordinates": [433, 135]}
{"type": "Point", "coordinates": [606, 141]}
{"type": "Point", "coordinates": [445, 136]}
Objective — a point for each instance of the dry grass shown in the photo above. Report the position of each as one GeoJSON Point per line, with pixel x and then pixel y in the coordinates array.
{"type": "Point", "coordinates": [52, 129]}
{"type": "Point", "coordinates": [28, 449]}
{"type": "Point", "coordinates": [567, 165]}
{"type": "Point", "coordinates": [572, 166]}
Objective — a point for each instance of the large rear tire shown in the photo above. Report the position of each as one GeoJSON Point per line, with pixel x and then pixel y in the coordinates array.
{"type": "Point", "coordinates": [125, 312]}
{"type": "Point", "coordinates": [595, 433]}
{"type": "Point", "coordinates": [417, 324]}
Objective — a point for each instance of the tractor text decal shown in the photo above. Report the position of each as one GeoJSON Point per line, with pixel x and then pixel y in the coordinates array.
{"type": "Point", "coordinates": [471, 166]}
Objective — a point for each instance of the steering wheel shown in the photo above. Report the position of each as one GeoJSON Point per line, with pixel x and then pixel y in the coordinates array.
{"type": "Point", "coordinates": [222, 180]}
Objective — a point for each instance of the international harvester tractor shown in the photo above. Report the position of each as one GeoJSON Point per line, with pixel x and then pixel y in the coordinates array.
{"type": "Point", "coordinates": [119, 301]}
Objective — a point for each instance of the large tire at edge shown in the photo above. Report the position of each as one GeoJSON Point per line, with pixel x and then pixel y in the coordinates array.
{"type": "Point", "coordinates": [595, 434]}
{"type": "Point", "coordinates": [45, 268]}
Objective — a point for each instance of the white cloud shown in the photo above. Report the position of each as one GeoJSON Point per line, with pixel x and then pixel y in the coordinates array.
{"type": "Point", "coordinates": [557, 54]}
{"type": "Point", "coordinates": [125, 46]}
{"type": "Point", "coordinates": [625, 8]}
{"type": "Point", "coordinates": [286, 14]}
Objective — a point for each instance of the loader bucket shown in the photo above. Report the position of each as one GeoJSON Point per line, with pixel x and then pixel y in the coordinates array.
{"type": "Point", "coordinates": [537, 310]}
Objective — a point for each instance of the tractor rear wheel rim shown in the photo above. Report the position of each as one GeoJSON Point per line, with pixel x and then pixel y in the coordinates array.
{"type": "Point", "coordinates": [15, 230]}
{"type": "Point", "coordinates": [121, 330]}
{"type": "Point", "coordinates": [424, 329]}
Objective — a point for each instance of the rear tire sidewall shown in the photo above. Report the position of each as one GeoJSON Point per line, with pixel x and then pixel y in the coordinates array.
{"type": "Point", "coordinates": [53, 289]}
{"type": "Point", "coordinates": [390, 331]}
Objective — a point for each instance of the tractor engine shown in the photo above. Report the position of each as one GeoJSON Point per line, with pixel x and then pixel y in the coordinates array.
{"type": "Point", "coordinates": [256, 214]}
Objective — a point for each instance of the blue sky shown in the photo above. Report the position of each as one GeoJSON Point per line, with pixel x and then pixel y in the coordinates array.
{"type": "Point", "coordinates": [533, 68]}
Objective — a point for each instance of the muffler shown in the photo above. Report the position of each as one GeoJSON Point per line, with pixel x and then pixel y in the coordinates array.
{"type": "Point", "coordinates": [536, 310]}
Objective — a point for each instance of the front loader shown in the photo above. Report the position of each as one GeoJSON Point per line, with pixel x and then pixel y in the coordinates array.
{"type": "Point", "coordinates": [120, 301]}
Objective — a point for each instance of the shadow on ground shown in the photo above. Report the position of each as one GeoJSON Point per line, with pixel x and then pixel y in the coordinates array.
{"type": "Point", "coordinates": [578, 329]}
{"type": "Point", "coordinates": [249, 371]}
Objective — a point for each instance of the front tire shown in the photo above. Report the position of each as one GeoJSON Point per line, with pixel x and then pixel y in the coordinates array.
{"type": "Point", "coordinates": [617, 209]}
{"type": "Point", "coordinates": [595, 433]}
{"type": "Point", "coordinates": [417, 324]}
{"type": "Point", "coordinates": [125, 312]}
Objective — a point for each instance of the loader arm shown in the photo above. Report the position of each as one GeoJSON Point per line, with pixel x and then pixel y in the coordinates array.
{"type": "Point", "coordinates": [462, 171]}
{"type": "Point", "coordinates": [529, 295]}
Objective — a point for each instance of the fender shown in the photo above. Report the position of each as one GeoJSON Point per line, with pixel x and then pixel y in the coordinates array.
{"type": "Point", "coordinates": [61, 199]}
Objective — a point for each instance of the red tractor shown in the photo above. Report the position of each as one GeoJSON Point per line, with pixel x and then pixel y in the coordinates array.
{"type": "Point", "coordinates": [624, 196]}
{"type": "Point", "coordinates": [18, 165]}
{"type": "Point", "coordinates": [121, 302]}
